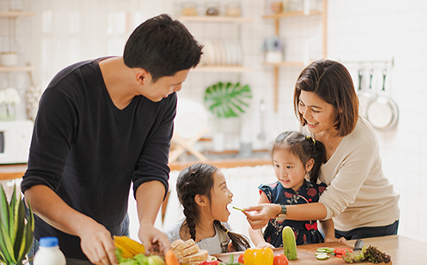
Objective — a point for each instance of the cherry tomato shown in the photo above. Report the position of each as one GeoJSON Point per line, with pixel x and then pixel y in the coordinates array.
{"type": "Point", "coordinates": [241, 258]}
{"type": "Point", "coordinates": [280, 259]}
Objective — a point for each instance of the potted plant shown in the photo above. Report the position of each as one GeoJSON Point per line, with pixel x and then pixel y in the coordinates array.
{"type": "Point", "coordinates": [225, 101]}
{"type": "Point", "coordinates": [16, 229]}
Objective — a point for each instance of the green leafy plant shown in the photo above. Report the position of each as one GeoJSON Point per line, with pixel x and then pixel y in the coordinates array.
{"type": "Point", "coordinates": [227, 100]}
{"type": "Point", "coordinates": [16, 229]}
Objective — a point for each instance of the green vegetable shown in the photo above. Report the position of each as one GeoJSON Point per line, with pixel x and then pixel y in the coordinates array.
{"type": "Point", "coordinates": [139, 259]}
{"type": "Point", "coordinates": [322, 256]}
{"type": "Point", "coordinates": [289, 243]}
{"type": "Point", "coordinates": [375, 256]}
{"type": "Point", "coordinates": [352, 257]}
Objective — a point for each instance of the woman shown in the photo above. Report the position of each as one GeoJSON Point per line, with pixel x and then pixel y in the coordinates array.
{"type": "Point", "coordinates": [359, 197]}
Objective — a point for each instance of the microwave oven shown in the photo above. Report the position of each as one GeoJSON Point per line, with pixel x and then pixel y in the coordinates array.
{"type": "Point", "coordinates": [15, 139]}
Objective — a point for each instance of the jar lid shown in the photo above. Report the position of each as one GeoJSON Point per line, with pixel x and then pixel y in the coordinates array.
{"type": "Point", "coordinates": [48, 241]}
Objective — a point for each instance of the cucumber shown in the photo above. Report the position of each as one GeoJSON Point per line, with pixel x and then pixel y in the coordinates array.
{"type": "Point", "coordinates": [289, 243]}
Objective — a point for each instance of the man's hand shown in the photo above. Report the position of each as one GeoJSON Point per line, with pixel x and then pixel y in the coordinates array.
{"type": "Point", "coordinates": [152, 237]}
{"type": "Point", "coordinates": [97, 244]}
{"type": "Point", "coordinates": [259, 215]}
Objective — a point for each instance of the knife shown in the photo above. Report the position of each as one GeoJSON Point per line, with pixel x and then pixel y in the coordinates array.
{"type": "Point", "coordinates": [358, 245]}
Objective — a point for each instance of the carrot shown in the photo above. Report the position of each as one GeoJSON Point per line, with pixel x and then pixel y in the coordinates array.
{"type": "Point", "coordinates": [170, 258]}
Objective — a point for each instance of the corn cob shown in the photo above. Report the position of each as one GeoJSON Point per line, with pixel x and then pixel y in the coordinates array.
{"type": "Point", "coordinates": [128, 246]}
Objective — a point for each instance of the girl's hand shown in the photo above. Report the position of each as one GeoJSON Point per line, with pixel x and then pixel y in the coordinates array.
{"type": "Point", "coordinates": [258, 216]}
{"type": "Point", "coordinates": [265, 245]}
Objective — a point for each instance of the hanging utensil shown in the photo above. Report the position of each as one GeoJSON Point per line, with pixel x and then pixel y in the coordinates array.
{"type": "Point", "coordinates": [383, 112]}
{"type": "Point", "coordinates": [366, 97]}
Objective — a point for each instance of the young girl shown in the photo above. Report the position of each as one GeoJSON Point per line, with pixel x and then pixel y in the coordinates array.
{"type": "Point", "coordinates": [204, 195]}
{"type": "Point", "coordinates": [297, 159]}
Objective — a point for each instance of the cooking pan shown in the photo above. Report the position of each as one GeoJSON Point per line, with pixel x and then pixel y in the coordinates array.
{"type": "Point", "coordinates": [367, 96]}
{"type": "Point", "coordinates": [383, 112]}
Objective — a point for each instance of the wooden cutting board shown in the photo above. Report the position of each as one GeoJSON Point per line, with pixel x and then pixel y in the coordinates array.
{"type": "Point", "coordinates": [306, 255]}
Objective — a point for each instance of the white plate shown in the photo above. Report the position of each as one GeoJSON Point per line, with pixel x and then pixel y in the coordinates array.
{"type": "Point", "coordinates": [209, 53]}
{"type": "Point", "coordinates": [191, 118]}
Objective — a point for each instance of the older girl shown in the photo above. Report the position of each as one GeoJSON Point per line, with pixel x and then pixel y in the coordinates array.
{"type": "Point", "coordinates": [204, 195]}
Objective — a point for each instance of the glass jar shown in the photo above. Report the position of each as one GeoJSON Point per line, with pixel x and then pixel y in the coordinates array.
{"type": "Point", "coordinates": [212, 9]}
{"type": "Point", "coordinates": [233, 10]}
{"type": "Point", "coordinates": [188, 9]}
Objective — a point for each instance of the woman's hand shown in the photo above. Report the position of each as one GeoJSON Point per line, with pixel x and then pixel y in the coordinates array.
{"type": "Point", "coordinates": [259, 215]}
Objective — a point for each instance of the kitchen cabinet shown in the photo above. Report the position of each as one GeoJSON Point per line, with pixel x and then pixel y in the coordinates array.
{"type": "Point", "coordinates": [289, 15]}
{"type": "Point", "coordinates": [15, 17]}
{"type": "Point", "coordinates": [218, 19]}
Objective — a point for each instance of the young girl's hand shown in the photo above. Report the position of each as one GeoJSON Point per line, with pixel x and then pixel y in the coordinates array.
{"type": "Point", "coordinates": [265, 245]}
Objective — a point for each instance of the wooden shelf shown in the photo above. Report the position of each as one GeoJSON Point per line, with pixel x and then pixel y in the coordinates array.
{"type": "Point", "coordinates": [284, 64]}
{"type": "Point", "coordinates": [293, 14]}
{"type": "Point", "coordinates": [15, 14]}
{"type": "Point", "coordinates": [224, 69]}
{"type": "Point", "coordinates": [215, 19]}
{"type": "Point", "coordinates": [277, 18]}
{"type": "Point", "coordinates": [9, 69]}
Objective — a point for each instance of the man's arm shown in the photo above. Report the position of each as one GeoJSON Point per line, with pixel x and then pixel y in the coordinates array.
{"type": "Point", "coordinates": [96, 241]}
{"type": "Point", "coordinates": [149, 196]}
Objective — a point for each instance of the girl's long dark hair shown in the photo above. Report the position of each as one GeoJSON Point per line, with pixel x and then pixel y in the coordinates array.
{"type": "Point", "coordinates": [304, 147]}
{"type": "Point", "coordinates": [198, 179]}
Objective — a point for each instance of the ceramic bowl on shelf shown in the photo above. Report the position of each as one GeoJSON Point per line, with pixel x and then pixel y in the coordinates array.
{"type": "Point", "coordinates": [9, 58]}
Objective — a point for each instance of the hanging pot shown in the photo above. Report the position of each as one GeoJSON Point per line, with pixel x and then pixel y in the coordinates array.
{"type": "Point", "coordinates": [383, 112]}
{"type": "Point", "coordinates": [367, 96]}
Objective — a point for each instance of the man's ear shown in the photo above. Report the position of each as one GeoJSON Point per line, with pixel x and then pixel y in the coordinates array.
{"type": "Point", "coordinates": [201, 200]}
{"type": "Point", "coordinates": [142, 76]}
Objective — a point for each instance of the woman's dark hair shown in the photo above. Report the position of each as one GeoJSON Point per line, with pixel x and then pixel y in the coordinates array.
{"type": "Point", "coordinates": [332, 82]}
{"type": "Point", "coordinates": [304, 147]}
{"type": "Point", "coordinates": [198, 179]}
{"type": "Point", "coordinates": [162, 47]}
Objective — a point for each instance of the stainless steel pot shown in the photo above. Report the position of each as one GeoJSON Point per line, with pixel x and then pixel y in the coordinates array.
{"type": "Point", "coordinates": [383, 112]}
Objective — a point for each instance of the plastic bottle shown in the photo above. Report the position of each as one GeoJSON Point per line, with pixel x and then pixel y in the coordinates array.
{"type": "Point", "coordinates": [49, 252]}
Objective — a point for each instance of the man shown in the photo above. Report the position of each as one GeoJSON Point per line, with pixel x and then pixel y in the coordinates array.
{"type": "Point", "coordinates": [102, 125]}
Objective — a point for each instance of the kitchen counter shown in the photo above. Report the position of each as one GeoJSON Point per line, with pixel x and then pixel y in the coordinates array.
{"type": "Point", "coordinates": [403, 251]}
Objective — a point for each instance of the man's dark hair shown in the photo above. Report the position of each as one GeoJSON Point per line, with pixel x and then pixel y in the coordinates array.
{"type": "Point", "coordinates": [162, 47]}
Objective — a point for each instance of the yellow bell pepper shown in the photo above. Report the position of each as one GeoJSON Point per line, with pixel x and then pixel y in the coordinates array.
{"type": "Point", "coordinates": [258, 256]}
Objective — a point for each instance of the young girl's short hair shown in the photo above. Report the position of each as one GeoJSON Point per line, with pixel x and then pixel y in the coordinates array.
{"type": "Point", "coordinates": [304, 147]}
{"type": "Point", "coordinates": [331, 82]}
{"type": "Point", "coordinates": [198, 179]}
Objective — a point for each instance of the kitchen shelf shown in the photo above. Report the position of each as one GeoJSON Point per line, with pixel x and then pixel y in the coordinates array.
{"type": "Point", "coordinates": [16, 14]}
{"type": "Point", "coordinates": [215, 19]}
{"type": "Point", "coordinates": [284, 64]}
{"type": "Point", "coordinates": [283, 15]}
{"type": "Point", "coordinates": [9, 69]}
{"type": "Point", "coordinates": [219, 68]}
{"type": "Point", "coordinates": [293, 14]}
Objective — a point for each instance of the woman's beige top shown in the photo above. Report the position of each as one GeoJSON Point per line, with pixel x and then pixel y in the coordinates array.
{"type": "Point", "coordinates": [358, 193]}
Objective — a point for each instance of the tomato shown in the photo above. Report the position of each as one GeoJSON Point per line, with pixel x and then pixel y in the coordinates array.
{"type": "Point", "coordinates": [280, 259]}
{"type": "Point", "coordinates": [242, 258]}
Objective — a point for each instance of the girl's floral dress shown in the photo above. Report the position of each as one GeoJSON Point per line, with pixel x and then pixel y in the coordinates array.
{"type": "Point", "coordinates": [306, 232]}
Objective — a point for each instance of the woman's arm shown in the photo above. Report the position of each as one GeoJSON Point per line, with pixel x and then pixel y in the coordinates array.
{"type": "Point", "coordinates": [258, 216]}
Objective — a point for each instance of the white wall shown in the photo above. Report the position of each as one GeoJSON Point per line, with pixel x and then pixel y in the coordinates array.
{"type": "Point", "coordinates": [358, 30]}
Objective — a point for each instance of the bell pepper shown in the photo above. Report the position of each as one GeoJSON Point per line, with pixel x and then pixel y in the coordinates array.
{"type": "Point", "coordinates": [258, 256]}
